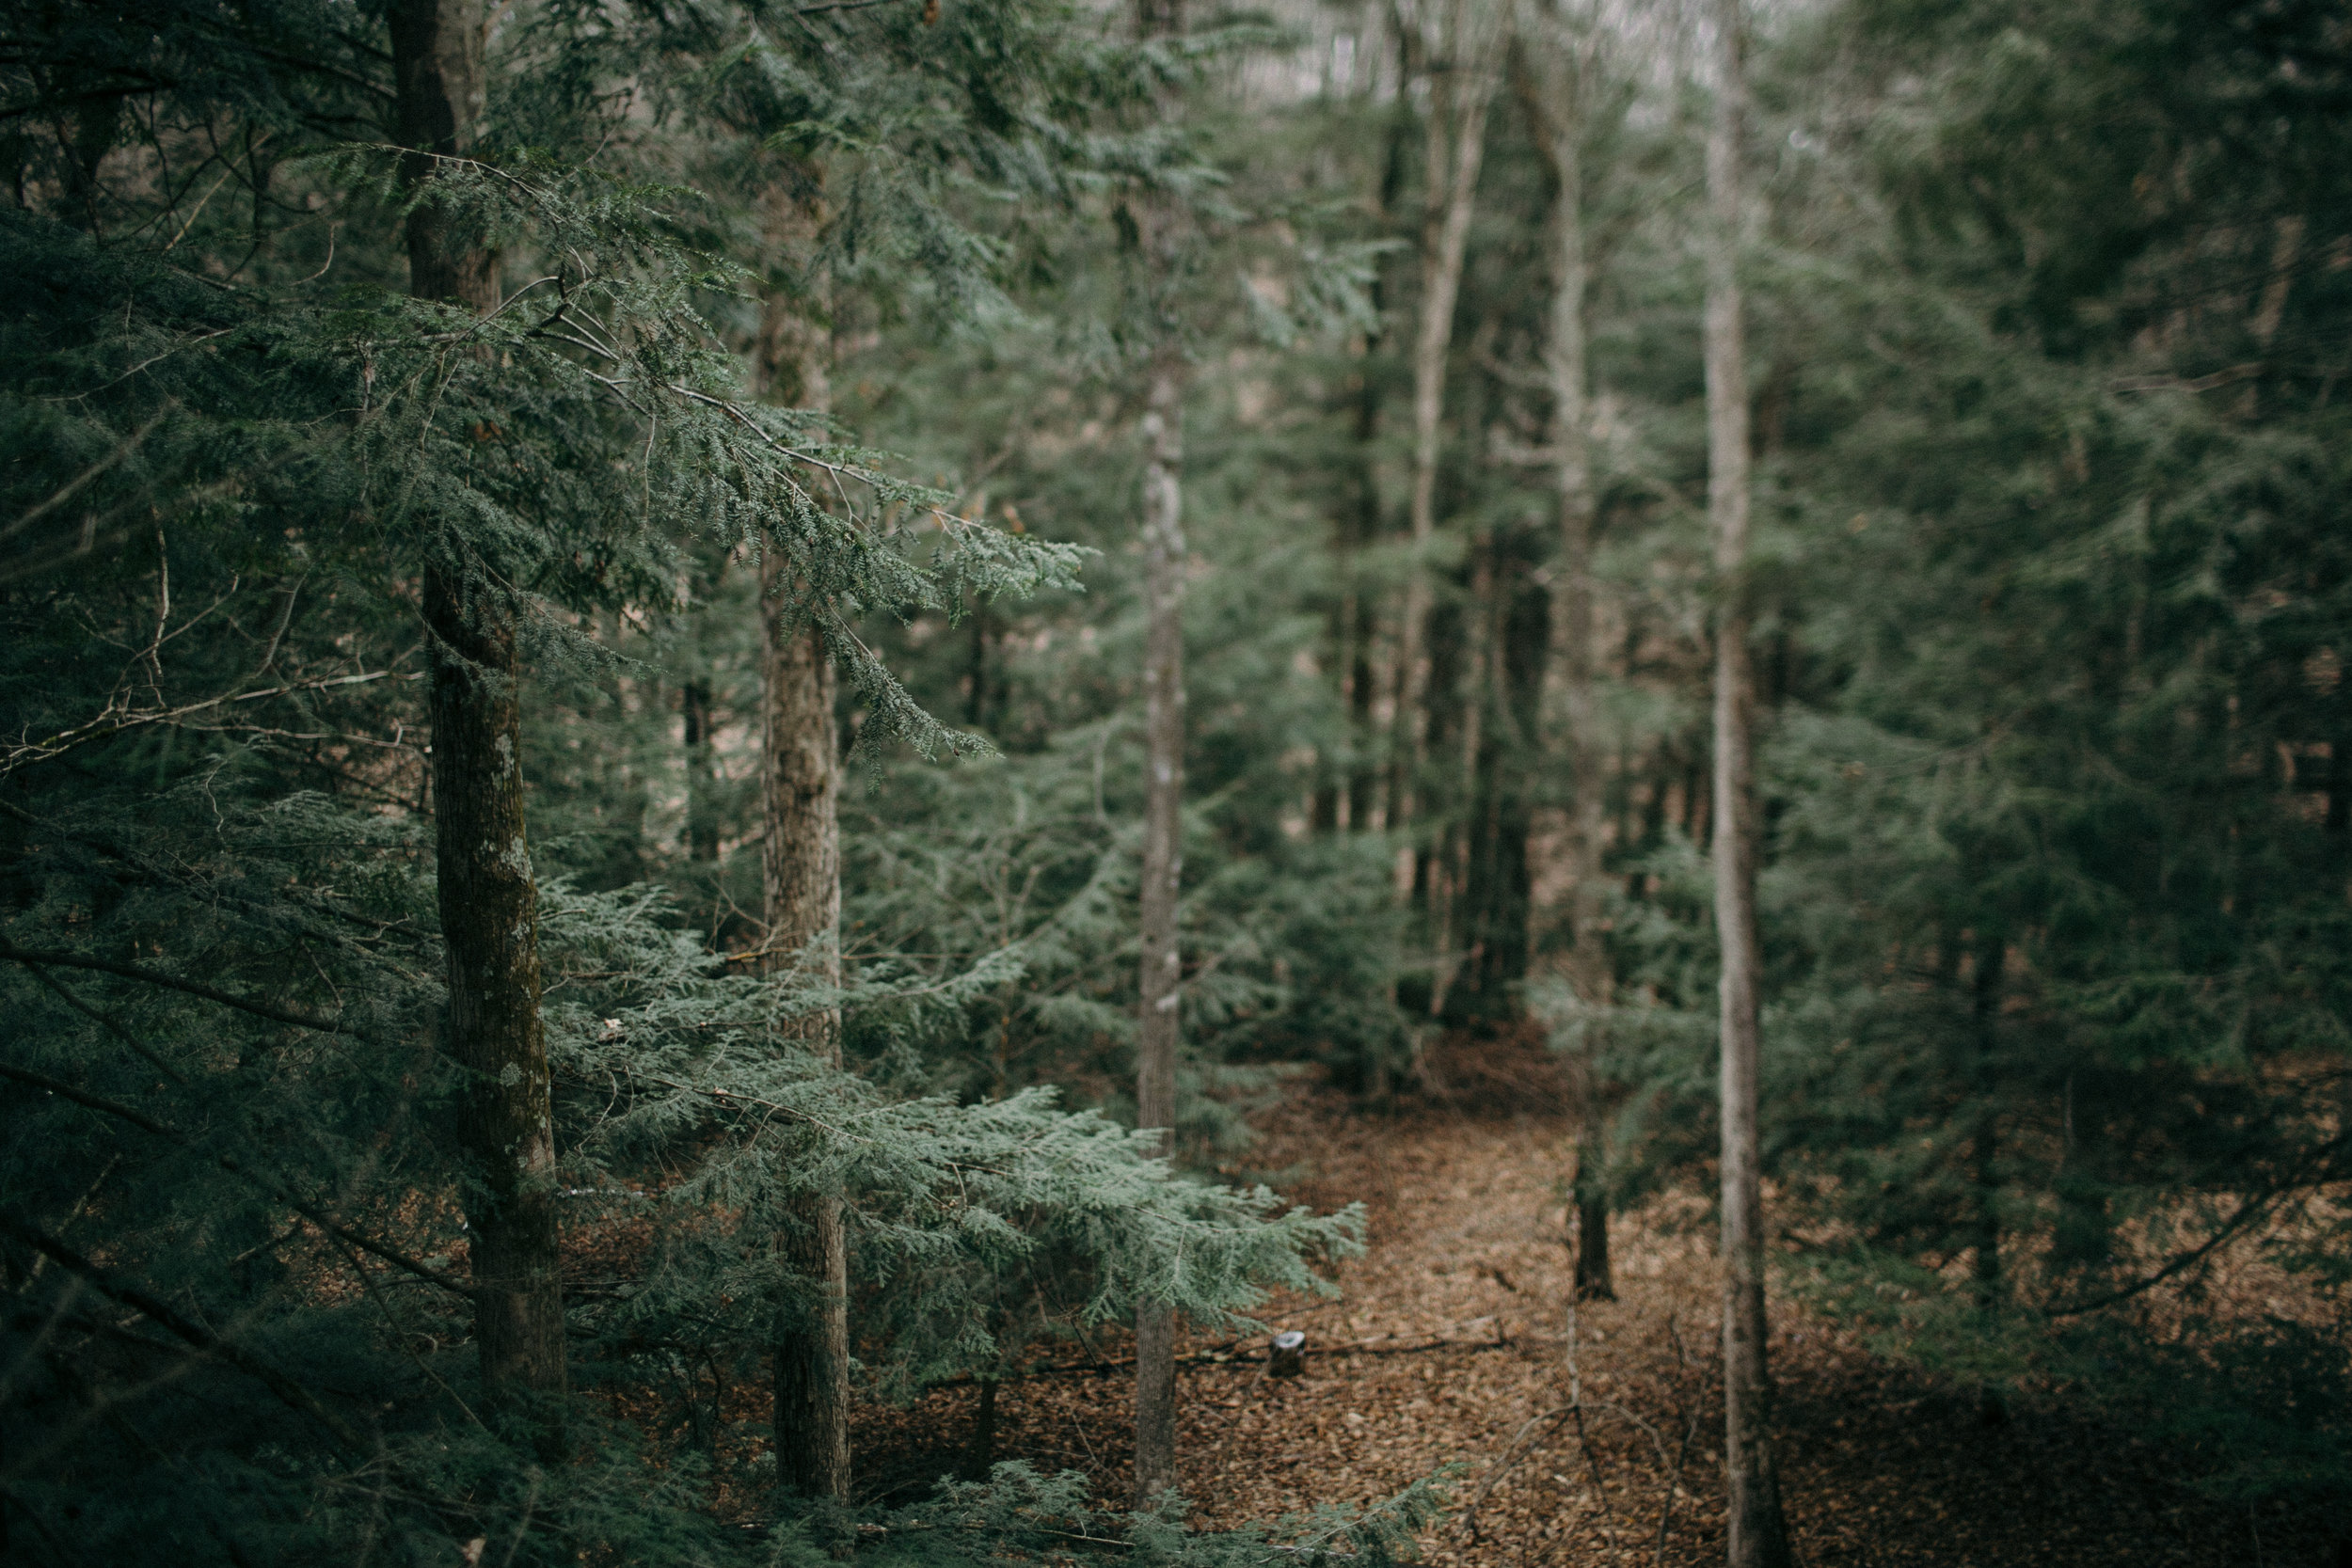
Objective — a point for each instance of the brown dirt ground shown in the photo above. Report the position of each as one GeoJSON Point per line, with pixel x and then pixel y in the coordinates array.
{"type": "Point", "coordinates": [1451, 1345]}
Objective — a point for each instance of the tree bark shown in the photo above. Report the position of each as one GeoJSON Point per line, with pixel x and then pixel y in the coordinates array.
{"type": "Point", "coordinates": [1461, 86]}
{"type": "Point", "coordinates": [489, 899]}
{"type": "Point", "coordinates": [1758, 1536]}
{"type": "Point", "coordinates": [801, 878]}
{"type": "Point", "coordinates": [1159, 1021]}
{"type": "Point", "coordinates": [1163, 865]}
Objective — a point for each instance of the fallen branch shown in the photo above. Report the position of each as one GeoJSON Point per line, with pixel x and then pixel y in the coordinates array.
{"type": "Point", "coordinates": [1516, 1449]}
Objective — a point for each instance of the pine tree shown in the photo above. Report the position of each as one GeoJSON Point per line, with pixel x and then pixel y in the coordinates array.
{"type": "Point", "coordinates": [488, 900]}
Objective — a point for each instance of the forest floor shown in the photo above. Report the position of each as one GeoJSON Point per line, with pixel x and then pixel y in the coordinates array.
{"type": "Point", "coordinates": [1452, 1346]}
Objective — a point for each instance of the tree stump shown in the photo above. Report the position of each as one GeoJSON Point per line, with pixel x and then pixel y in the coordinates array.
{"type": "Point", "coordinates": [1290, 1353]}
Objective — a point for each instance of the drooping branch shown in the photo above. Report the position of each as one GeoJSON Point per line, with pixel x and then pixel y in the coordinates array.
{"type": "Point", "coordinates": [114, 721]}
{"type": "Point", "coordinates": [2304, 1178]}
{"type": "Point", "coordinates": [193, 1333]}
{"type": "Point", "coordinates": [276, 1188]}
{"type": "Point", "coordinates": [172, 982]}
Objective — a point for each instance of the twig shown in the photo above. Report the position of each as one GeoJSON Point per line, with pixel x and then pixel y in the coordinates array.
{"type": "Point", "coordinates": [111, 723]}
{"type": "Point", "coordinates": [1516, 1449]}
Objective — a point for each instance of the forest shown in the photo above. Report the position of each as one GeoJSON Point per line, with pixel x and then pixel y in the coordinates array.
{"type": "Point", "coordinates": [1513, 782]}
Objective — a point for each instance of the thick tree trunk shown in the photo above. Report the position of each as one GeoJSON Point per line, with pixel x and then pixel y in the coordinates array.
{"type": "Point", "coordinates": [800, 866]}
{"type": "Point", "coordinates": [1758, 1536]}
{"type": "Point", "coordinates": [1163, 867]}
{"type": "Point", "coordinates": [800, 876]}
{"type": "Point", "coordinates": [1551, 86]}
{"type": "Point", "coordinates": [488, 900]}
{"type": "Point", "coordinates": [1460, 90]}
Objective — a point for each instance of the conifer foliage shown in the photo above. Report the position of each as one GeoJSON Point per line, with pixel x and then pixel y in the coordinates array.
{"type": "Point", "coordinates": [350, 395]}
{"type": "Point", "coordinates": [694, 693]}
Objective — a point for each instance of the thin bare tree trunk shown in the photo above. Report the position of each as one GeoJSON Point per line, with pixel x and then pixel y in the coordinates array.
{"type": "Point", "coordinates": [1163, 867]}
{"type": "Point", "coordinates": [800, 876]}
{"type": "Point", "coordinates": [1553, 88]}
{"type": "Point", "coordinates": [1158, 1027]}
{"type": "Point", "coordinates": [488, 900]}
{"type": "Point", "coordinates": [1758, 1536]}
{"type": "Point", "coordinates": [1461, 86]}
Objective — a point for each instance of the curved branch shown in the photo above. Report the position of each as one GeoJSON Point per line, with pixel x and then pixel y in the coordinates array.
{"type": "Point", "coordinates": [172, 982]}
{"type": "Point", "coordinates": [193, 1333]}
{"type": "Point", "coordinates": [269, 1185]}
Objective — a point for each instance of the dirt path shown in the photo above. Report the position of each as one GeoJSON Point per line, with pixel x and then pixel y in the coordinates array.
{"type": "Point", "coordinates": [1453, 1346]}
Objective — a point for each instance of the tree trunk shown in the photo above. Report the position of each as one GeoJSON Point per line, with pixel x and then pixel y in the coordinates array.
{"type": "Point", "coordinates": [1551, 86]}
{"type": "Point", "coordinates": [1163, 866]}
{"type": "Point", "coordinates": [702, 806]}
{"type": "Point", "coordinates": [1367, 810]}
{"type": "Point", "coordinates": [800, 876]}
{"type": "Point", "coordinates": [1157, 1029]}
{"type": "Point", "coordinates": [1459, 91]}
{"type": "Point", "coordinates": [1594, 1280]}
{"type": "Point", "coordinates": [488, 900]}
{"type": "Point", "coordinates": [1758, 1537]}
{"type": "Point", "coordinates": [1984, 1150]}
{"type": "Point", "coordinates": [982, 1453]}
{"type": "Point", "coordinates": [1454, 895]}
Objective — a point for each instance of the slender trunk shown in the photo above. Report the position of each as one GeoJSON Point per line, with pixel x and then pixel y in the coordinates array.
{"type": "Point", "coordinates": [1163, 866]}
{"type": "Point", "coordinates": [800, 876]}
{"type": "Point", "coordinates": [1551, 86]}
{"type": "Point", "coordinates": [1984, 1148]}
{"type": "Point", "coordinates": [1758, 1536]}
{"type": "Point", "coordinates": [1368, 807]}
{"type": "Point", "coordinates": [982, 1453]}
{"type": "Point", "coordinates": [1454, 895]}
{"type": "Point", "coordinates": [489, 901]}
{"type": "Point", "coordinates": [1162, 968]}
{"type": "Point", "coordinates": [1461, 90]}
{"type": "Point", "coordinates": [1343, 799]}
{"type": "Point", "coordinates": [1594, 1280]}
{"type": "Point", "coordinates": [702, 806]}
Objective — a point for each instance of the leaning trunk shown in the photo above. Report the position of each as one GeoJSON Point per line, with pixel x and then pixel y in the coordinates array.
{"type": "Point", "coordinates": [489, 901]}
{"type": "Point", "coordinates": [1163, 865]}
{"type": "Point", "coordinates": [801, 873]}
{"type": "Point", "coordinates": [1758, 1537]}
